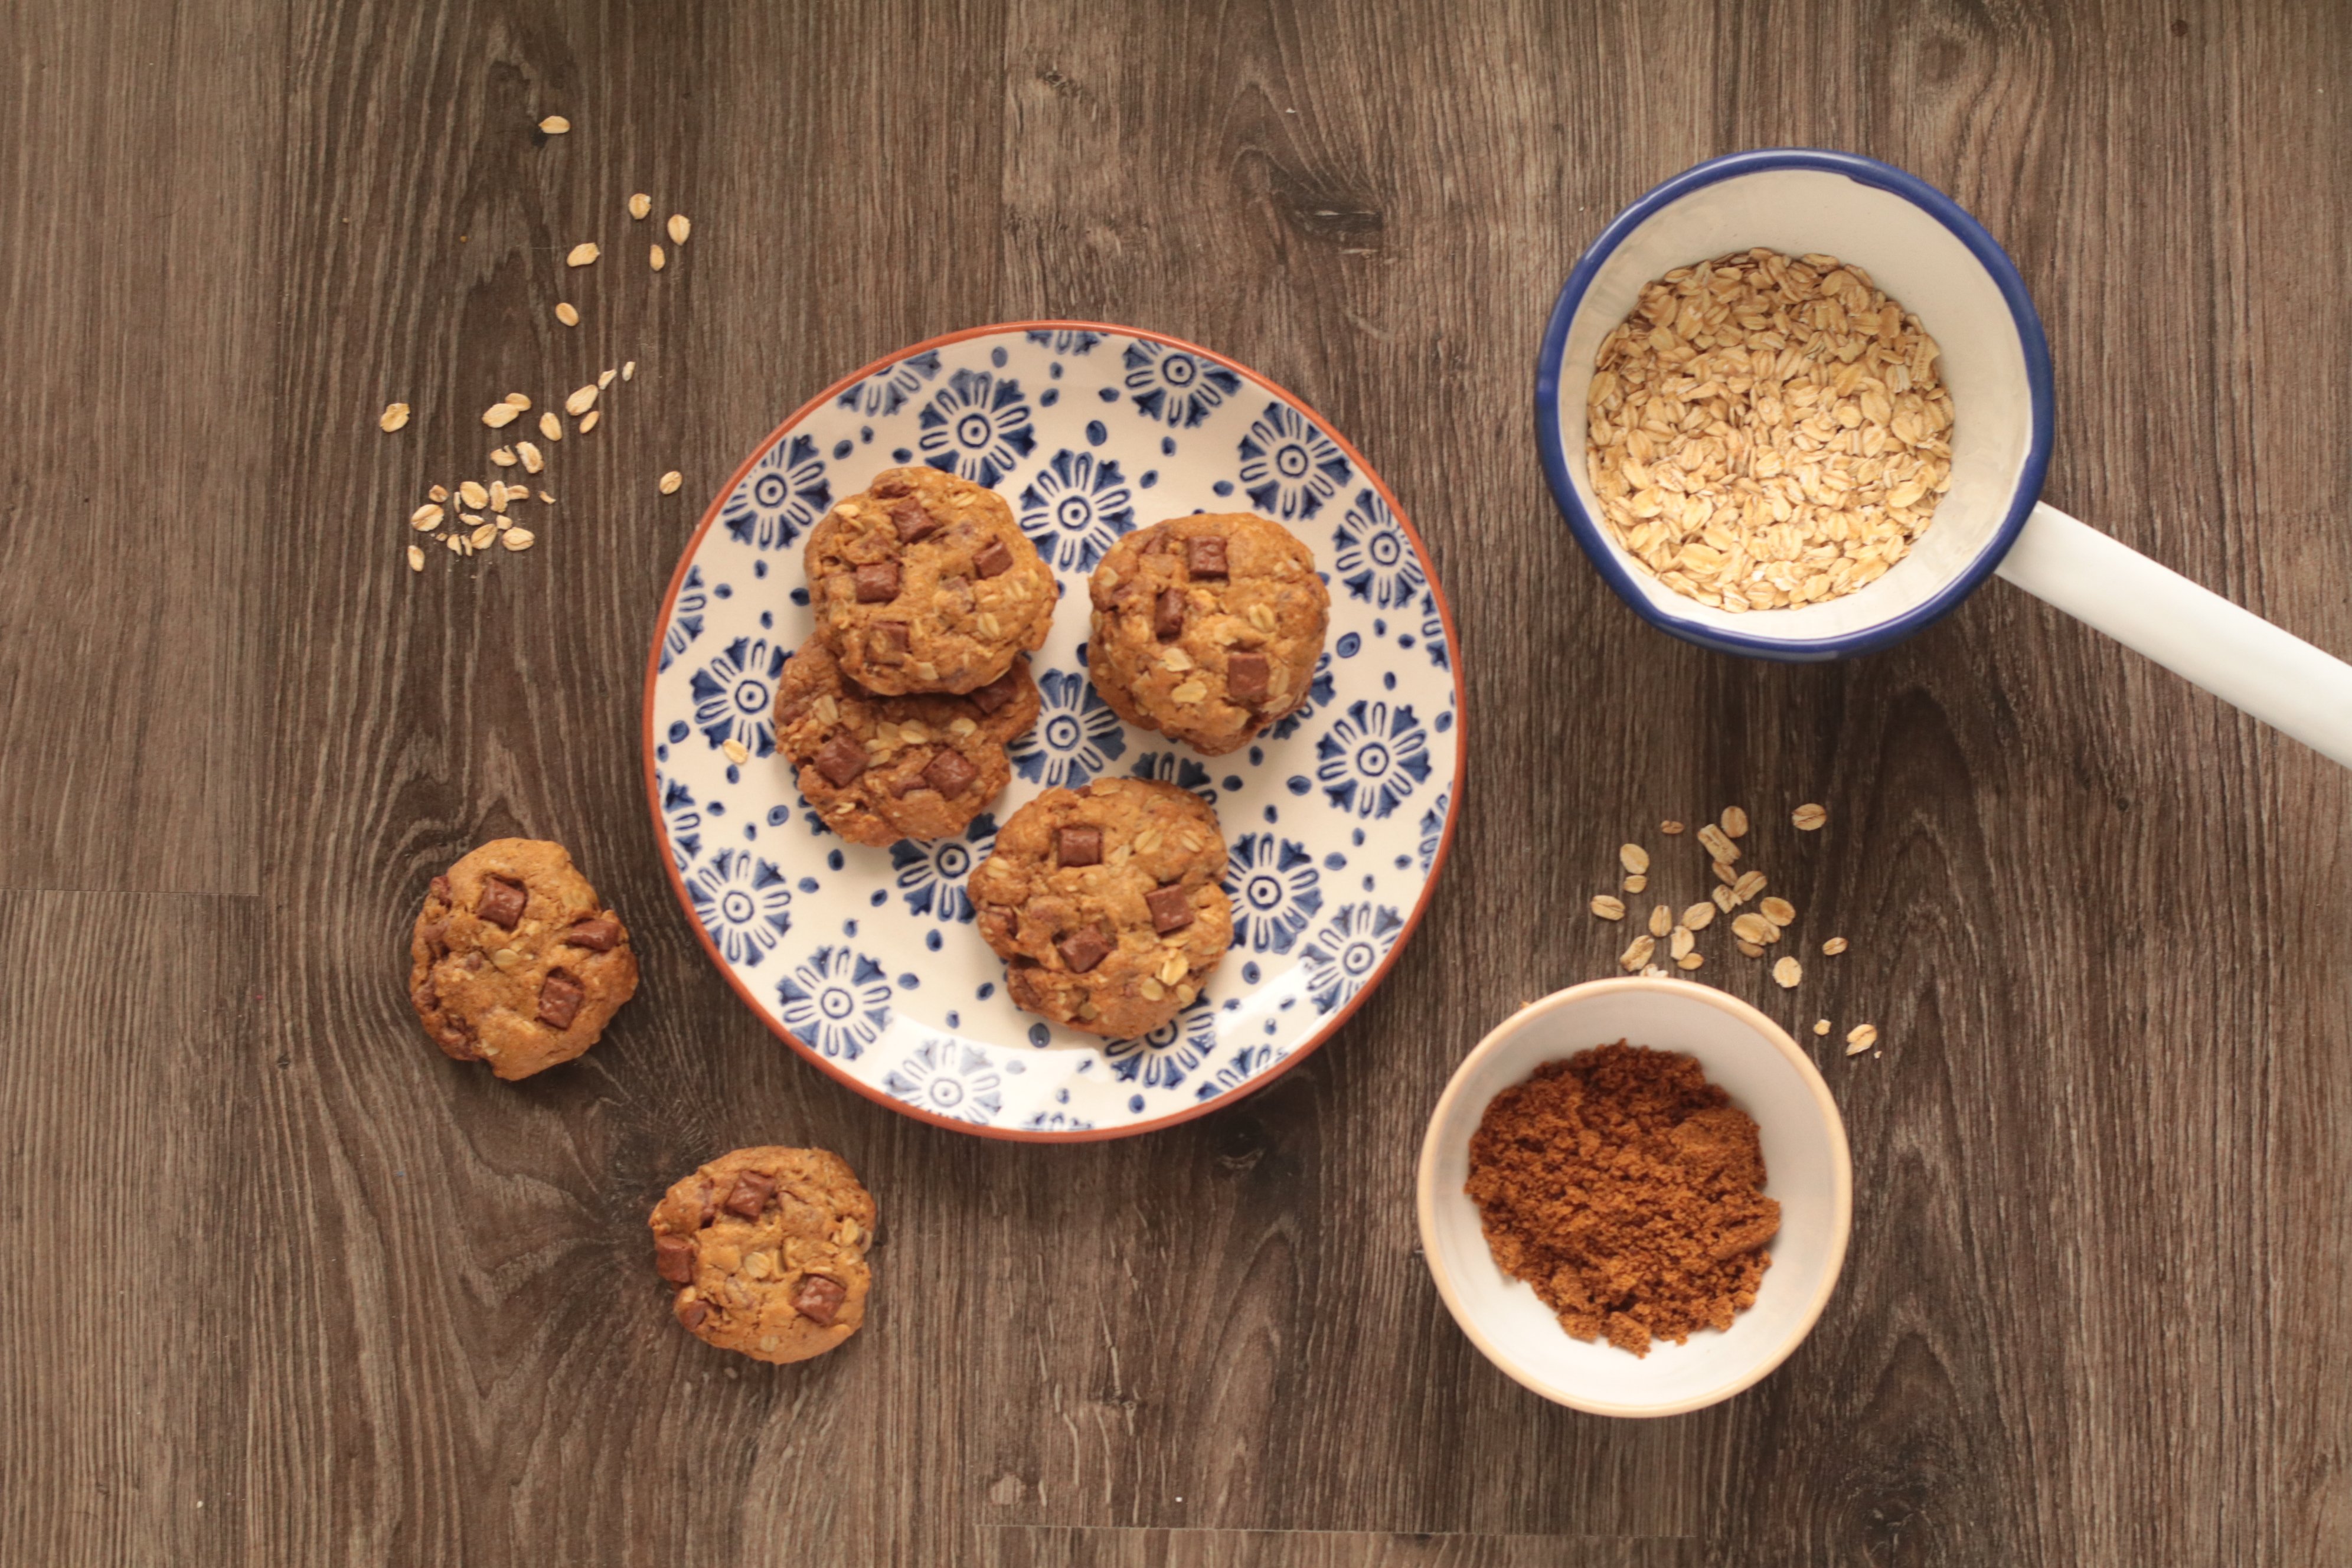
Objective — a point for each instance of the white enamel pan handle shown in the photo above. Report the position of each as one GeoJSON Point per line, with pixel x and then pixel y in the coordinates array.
{"type": "Point", "coordinates": [2232, 653]}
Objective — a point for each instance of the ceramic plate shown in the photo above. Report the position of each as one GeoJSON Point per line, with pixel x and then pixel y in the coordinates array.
{"type": "Point", "coordinates": [866, 960]}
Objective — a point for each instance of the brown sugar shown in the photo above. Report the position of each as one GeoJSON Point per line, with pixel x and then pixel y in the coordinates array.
{"type": "Point", "coordinates": [1626, 1189]}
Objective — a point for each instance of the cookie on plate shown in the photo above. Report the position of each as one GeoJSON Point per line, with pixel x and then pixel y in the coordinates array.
{"type": "Point", "coordinates": [924, 582]}
{"type": "Point", "coordinates": [1206, 628]}
{"type": "Point", "coordinates": [515, 961]}
{"type": "Point", "coordinates": [879, 769]}
{"type": "Point", "coordinates": [767, 1249]}
{"type": "Point", "coordinates": [1105, 904]}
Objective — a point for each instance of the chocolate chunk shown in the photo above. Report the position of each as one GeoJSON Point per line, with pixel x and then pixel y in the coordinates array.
{"type": "Point", "coordinates": [1205, 556]}
{"type": "Point", "coordinates": [436, 937]}
{"type": "Point", "coordinates": [692, 1311]}
{"type": "Point", "coordinates": [841, 760]}
{"type": "Point", "coordinates": [751, 1193]}
{"type": "Point", "coordinates": [558, 1000]}
{"type": "Point", "coordinates": [886, 642]}
{"type": "Point", "coordinates": [441, 889]}
{"type": "Point", "coordinates": [819, 1299]}
{"type": "Point", "coordinates": [950, 772]}
{"type": "Point", "coordinates": [912, 521]}
{"type": "Point", "coordinates": [1245, 675]}
{"type": "Point", "coordinates": [673, 1259]}
{"type": "Point", "coordinates": [1082, 950]}
{"type": "Point", "coordinates": [1078, 845]}
{"type": "Point", "coordinates": [599, 933]}
{"type": "Point", "coordinates": [501, 902]}
{"type": "Point", "coordinates": [996, 693]}
{"type": "Point", "coordinates": [1168, 615]}
{"type": "Point", "coordinates": [895, 485]}
{"type": "Point", "coordinates": [878, 581]}
{"type": "Point", "coordinates": [991, 558]}
{"type": "Point", "coordinates": [1171, 909]}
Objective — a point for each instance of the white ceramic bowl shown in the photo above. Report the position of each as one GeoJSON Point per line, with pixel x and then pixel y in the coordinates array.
{"type": "Point", "coordinates": [1806, 1168]}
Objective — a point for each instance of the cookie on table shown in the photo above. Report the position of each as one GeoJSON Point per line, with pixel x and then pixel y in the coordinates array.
{"type": "Point", "coordinates": [515, 961]}
{"type": "Point", "coordinates": [1105, 904]}
{"type": "Point", "coordinates": [767, 1249]}
{"type": "Point", "coordinates": [1206, 628]}
{"type": "Point", "coordinates": [924, 582]}
{"type": "Point", "coordinates": [879, 769]}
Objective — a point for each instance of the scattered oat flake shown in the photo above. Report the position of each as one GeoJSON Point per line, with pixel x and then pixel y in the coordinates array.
{"type": "Point", "coordinates": [640, 204]}
{"type": "Point", "coordinates": [583, 255]}
{"type": "Point", "coordinates": [1637, 953]}
{"type": "Point", "coordinates": [1637, 883]}
{"type": "Point", "coordinates": [1608, 908]}
{"type": "Point", "coordinates": [656, 260]}
{"type": "Point", "coordinates": [1681, 942]}
{"type": "Point", "coordinates": [1722, 900]}
{"type": "Point", "coordinates": [518, 539]}
{"type": "Point", "coordinates": [1717, 843]}
{"type": "Point", "coordinates": [1752, 950]}
{"type": "Point", "coordinates": [531, 461]}
{"type": "Point", "coordinates": [456, 545]}
{"type": "Point", "coordinates": [1690, 960]}
{"type": "Point", "coordinates": [425, 518]}
{"type": "Point", "coordinates": [416, 558]}
{"type": "Point", "coordinates": [1634, 858]}
{"type": "Point", "coordinates": [1860, 1039]}
{"type": "Point", "coordinates": [555, 125]}
{"type": "Point", "coordinates": [1750, 883]}
{"type": "Point", "coordinates": [548, 499]}
{"type": "Point", "coordinates": [629, 371]}
{"type": "Point", "coordinates": [1726, 872]}
{"type": "Point", "coordinates": [1779, 910]}
{"type": "Point", "coordinates": [1734, 822]}
{"type": "Point", "coordinates": [499, 414]}
{"type": "Point", "coordinates": [1699, 916]}
{"type": "Point", "coordinates": [736, 751]}
{"type": "Point", "coordinates": [670, 482]}
{"type": "Point", "coordinates": [1809, 817]}
{"type": "Point", "coordinates": [605, 378]}
{"type": "Point", "coordinates": [1821, 1026]}
{"type": "Point", "coordinates": [550, 426]}
{"type": "Point", "coordinates": [503, 456]}
{"type": "Point", "coordinates": [581, 401]}
{"type": "Point", "coordinates": [567, 313]}
{"type": "Point", "coordinates": [588, 420]}
{"type": "Point", "coordinates": [679, 228]}
{"type": "Point", "coordinates": [1754, 928]}
{"type": "Point", "coordinates": [1832, 947]}
{"type": "Point", "coordinates": [472, 493]}
{"type": "Point", "coordinates": [1787, 973]}
{"type": "Point", "coordinates": [1670, 827]}
{"type": "Point", "coordinates": [519, 401]}
{"type": "Point", "coordinates": [438, 492]}
{"type": "Point", "coordinates": [393, 416]}
{"type": "Point", "coordinates": [1661, 920]}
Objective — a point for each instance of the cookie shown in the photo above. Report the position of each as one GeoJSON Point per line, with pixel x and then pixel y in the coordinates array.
{"type": "Point", "coordinates": [1206, 628]}
{"type": "Point", "coordinates": [1105, 905]}
{"type": "Point", "coordinates": [767, 1249]}
{"type": "Point", "coordinates": [924, 582]}
{"type": "Point", "coordinates": [879, 769]}
{"type": "Point", "coordinates": [515, 961]}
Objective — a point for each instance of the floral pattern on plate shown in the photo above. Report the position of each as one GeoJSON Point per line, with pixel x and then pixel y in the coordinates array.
{"type": "Point", "coordinates": [1336, 819]}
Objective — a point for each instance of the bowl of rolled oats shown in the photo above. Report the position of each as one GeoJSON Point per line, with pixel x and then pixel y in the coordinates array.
{"type": "Point", "coordinates": [1801, 383]}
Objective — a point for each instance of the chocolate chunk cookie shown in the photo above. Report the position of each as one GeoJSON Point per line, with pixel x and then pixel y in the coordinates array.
{"type": "Point", "coordinates": [767, 1249]}
{"type": "Point", "coordinates": [515, 961]}
{"type": "Point", "coordinates": [1206, 628]}
{"type": "Point", "coordinates": [1105, 905]}
{"type": "Point", "coordinates": [879, 769]}
{"type": "Point", "coordinates": [924, 582]}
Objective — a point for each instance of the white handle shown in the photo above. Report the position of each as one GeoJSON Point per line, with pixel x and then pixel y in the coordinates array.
{"type": "Point", "coordinates": [2232, 653]}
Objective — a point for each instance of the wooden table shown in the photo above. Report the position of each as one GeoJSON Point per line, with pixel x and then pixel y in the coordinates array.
{"type": "Point", "coordinates": [288, 1287]}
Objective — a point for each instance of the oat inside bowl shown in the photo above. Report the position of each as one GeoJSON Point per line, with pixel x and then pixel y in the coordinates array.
{"type": "Point", "coordinates": [1765, 431]}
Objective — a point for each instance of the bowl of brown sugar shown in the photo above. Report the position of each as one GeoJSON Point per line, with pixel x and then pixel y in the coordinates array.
{"type": "Point", "coordinates": [1634, 1196]}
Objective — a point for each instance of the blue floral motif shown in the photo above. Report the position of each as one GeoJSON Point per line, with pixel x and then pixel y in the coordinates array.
{"type": "Point", "coordinates": [886, 391]}
{"type": "Point", "coordinates": [1174, 767]}
{"type": "Point", "coordinates": [1172, 385]}
{"type": "Point", "coordinates": [744, 904]}
{"type": "Point", "coordinates": [1074, 507]}
{"type": "Point", "coordinates": [951, 1079]}
{"type": "Point", "coordinates": [732, 694]}
{"type": "Point", "coordinates": [1076, 735]}
{"type": "Point", "coordinates": [932, 873]}
{"type": "Point", "coordinates": [1433, 830]}
{"type": "Point", "coordinates": [1247, 1063]}
{"type": "Point", "coordinates": [1166, 1056]}
{"type": "Point", "coordinates": [977, 425]}
{"type": "Point", "coordinates": [686, 625]}
{"type": "Point", "coordinates": [1371, 555]}
{"type": "Point", "coordinates": [1318, 692]}
{"type": "Point", "coordinates": [1065, 340]}
{"type": "Point", "coordinates": [1055, 1122]}
{"type": "Point", "coordinates": [785, 491]}
{"type": "Point", "coordinates": [681, 818]}
{"type": "Point", "coordinates": [1347, 950]}
{"type": "Point", "coordinates": [1372, 758]}
{"type": "Point", "coordinates": [1289, 467]}
{"type": "Point", "coordinates": [1271, 882]}
{"type": "Point", "coordinates": [1432, 632]}
{"type": "Point", "coordinates": [839, 1002]}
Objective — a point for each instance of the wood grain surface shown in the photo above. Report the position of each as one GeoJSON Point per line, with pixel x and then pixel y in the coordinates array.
{"type": "Point", "coordinates": [292, 1289]}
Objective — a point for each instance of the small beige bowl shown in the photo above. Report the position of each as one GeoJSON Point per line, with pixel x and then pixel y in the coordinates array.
{"type": "Point", "coordinates": [1806, 1165]}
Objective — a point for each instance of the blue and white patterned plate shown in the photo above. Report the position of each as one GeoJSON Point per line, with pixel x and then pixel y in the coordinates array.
{"type": "Point", "coordinates": [866, 960]}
